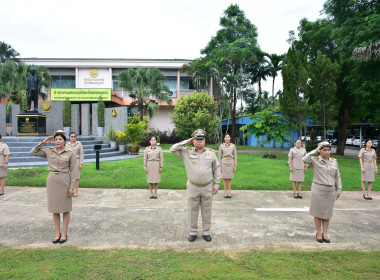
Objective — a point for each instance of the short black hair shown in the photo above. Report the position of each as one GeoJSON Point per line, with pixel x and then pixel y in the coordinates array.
{"type": "Point", "coordinates": [63, 136]}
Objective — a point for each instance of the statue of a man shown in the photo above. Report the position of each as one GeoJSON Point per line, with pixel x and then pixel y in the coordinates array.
{"type": "Point", "coordinates": [33, 87]}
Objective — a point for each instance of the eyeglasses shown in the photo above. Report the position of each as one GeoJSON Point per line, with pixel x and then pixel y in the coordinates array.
{"type": "Point", "coordinates": [73, 136]}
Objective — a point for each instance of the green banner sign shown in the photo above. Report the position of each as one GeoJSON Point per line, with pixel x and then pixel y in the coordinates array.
{"type": "Point", "coordinates": [80, 94]}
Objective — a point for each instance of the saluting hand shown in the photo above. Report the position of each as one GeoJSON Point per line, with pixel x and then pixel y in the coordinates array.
{"type": "Point", "coordinates": [191, 140]}
{"type": "Point", "coordinates": [48, 139]}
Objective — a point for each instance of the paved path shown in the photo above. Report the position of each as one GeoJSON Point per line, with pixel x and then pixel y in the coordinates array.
{"type": "Point", "coordinates": [107, 218]}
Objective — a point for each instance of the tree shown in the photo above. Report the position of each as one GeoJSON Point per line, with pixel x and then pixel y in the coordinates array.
{"type": "Point", "coordinates": [144, 85]}
{"type": "Point", "coordinates": [295, 77]}
{"type": "Point", "coordinates": [357, 24]}
{"type": "Point", "coordinates": [275, 63]}
{"type": "Point", "coordinates": [193, 112]}
{"type": "Point", "coordinates": [370, 52]}
{"type": "Point", "coordinates": [7, 53]}
{"type": "Point", "coordinates": [323, 87]}
{"type": "Point", "coordinates": [229, 53]}
{"type": "Point", "coordinates": [268, 124]}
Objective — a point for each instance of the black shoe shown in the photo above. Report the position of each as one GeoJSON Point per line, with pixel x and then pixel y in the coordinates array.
{"type": "Point", "coordinates": [299, 196]}
{"type": "Point", "coordinates": [369, 198]}
{"type": "Point", "coordinates": [192, 238]}
{"type": "Point", "coordinates": [57, 240]}
{"type": "Point", "coordinates": [325, 240]}
{"type": "Point", "coordinates": [226, 196]}
{"type": "Point", "coordinates": [207, 238]}
{"type": "Point", "coordinates": [366, 198]}
{"type": "Point", "coordinates": [229, 196]}
{"type": "Point", "coordinates": [319, 240]}
{"type": "Point", "coordinates": [154, 197]}
{"type": "Point", "coordinates": [151, 197]}
{"type": "Point", "coordinates": [295, 196]}
{"type": "Point", "coordinates": [61, 241]}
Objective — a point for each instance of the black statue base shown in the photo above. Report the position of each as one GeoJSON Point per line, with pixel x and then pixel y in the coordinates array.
{"type": "Point", "coordinates": [31, 123]}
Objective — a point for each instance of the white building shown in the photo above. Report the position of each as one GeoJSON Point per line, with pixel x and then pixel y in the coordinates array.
{"type": "Point", "coordinates": [91, 73]}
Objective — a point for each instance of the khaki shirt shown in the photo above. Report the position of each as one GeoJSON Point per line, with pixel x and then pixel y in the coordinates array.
{"type": "Point", "coordinates": [155, 154]}
{"type": "Point", "coordinates": [228, 152]}
{"type": "Point", "coordinates": [324, 173]}
{"type": "Point", "coordinates": [63, 162]}
{"type": "Point", "coordinates": [77, 148]}
{"type": "Point", "coordinates": [4, 151]}
{"type": "Point", "coordinates": [296, 156]}
{"type": "Point", "coordinates": [368, 156]}
{"type": "Point", "coordinates": [202, 167]}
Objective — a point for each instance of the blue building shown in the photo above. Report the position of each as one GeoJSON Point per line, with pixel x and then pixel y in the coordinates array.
{"type": "Point", "coordinates": [252, 140]}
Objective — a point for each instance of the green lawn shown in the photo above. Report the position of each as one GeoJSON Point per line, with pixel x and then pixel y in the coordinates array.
{"type": "Point", "coordinates": [253, 173]}
{"type": "Point", "coordinates": [71, 263]}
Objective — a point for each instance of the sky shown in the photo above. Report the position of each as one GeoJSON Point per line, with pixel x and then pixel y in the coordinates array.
{"type": "Point", "coordinates": [164, 29]}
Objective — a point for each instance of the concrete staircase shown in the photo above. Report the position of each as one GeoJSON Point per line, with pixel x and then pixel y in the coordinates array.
{"type": "Point", "coordinates": [21, 146]}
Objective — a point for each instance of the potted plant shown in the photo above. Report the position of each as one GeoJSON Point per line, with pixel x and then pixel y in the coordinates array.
{"type": "Point", "coordinates": [67, 116]}
{"type": "Point", "coordinates": [101, 107]}
{"type": "Point", "coordinates": [136, 131]}
{"type": "Point", "coordinates": [122, 139]}
{"type": "Point", "coordinates": [112, 136]}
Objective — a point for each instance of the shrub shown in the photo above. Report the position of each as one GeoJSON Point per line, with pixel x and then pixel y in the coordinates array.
{"type": "Point", "coordinates": [67, 113]}
{"type": "Point", "coordinates": [111, 134]}
{"type": "Point", "coordinates": [101, 107]}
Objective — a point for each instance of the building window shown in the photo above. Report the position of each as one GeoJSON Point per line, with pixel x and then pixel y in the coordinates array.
{"type": "Point", "coordinates": [171, 82]}
{"type": "Point", "coordinates": [187, 83]}
{"type": "Point", "coordinates": [115, 84]}
{"type": "Point", "coordinates": [63, 82]}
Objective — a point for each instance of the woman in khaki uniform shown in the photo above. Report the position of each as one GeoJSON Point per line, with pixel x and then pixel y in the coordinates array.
{"type": "Point", "coordinates": [62, 164]}
{"type": "Point", "coordinates": [297, 168]}
{"type": "Point", "coordinates": [326, 188]}
{"type": "Point", "coordinates": [77, 148]}
{"type": "Point", "coordinates": [228, 163]}
{"type": "Point", "coordinates": [4, 159]}
{"type": "Point", "coordinates": [367, 157]}
{"type": "Point", "coordinates": [153, 164]}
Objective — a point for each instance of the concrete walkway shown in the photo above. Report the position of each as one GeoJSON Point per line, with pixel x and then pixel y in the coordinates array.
{"type": "Point", "coordinates": [108, 218]}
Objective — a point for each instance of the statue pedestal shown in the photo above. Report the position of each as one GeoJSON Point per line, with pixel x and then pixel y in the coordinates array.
{"type": "Point", "coordinates": [31, 123]}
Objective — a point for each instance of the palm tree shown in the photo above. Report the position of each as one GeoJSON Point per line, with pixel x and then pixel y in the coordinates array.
{"type": "Point", "coordinates": [7, 53]}
{"type": "Point", "coordinates": [144, 84]}
{"type": "Point", "coordinates": [275, 63]}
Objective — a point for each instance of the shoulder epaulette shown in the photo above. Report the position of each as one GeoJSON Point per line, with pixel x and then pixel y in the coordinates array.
{"type": "Point", "coordinates": [232, 145]}
{"type": "Point", "coordinates": [363, 148]}
{"type": "Point", "coordinates": [333, 158]}
{"type": "Point", "coordinates": [51, 148]}
{"type": "Point", "coordinates": [188, 148]}
{"type": "Point", "coordinates": [78, 142]}
{"type": "Point", "coordinates": [316, 156]}
{"type": "Point", "coordinates": [69, 149]}
{"type": "Point", "coordinates": [211, 150]}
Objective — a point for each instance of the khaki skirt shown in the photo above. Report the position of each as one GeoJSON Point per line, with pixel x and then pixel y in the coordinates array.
{"type": "Point", "coordinates": [322, 201]}
{"type": "Point", "coordinates": [228, 168]}
{"type": "Point", "coordinates": [298, 175]}
{"type": "Point", "coordinates": [76, 173]}
{"type": "Point", "coordinates": [154, 175]}
{"type": "Point", "coordinates": [369, 172]}
{"type": "Point", "coordinates": [58, 186]}
{"type": "Point", "coordinates": [3, 172]}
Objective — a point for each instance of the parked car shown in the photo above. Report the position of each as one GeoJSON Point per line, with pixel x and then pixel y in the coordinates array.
{"type": "Point", "coordinates": [349, 140]}
{"type": "Point", "coordinates": [374, 143]}
{"type": "Point", "coordinates": [356, 142]}
{"type": "Point", "coordinates": [334, 141]}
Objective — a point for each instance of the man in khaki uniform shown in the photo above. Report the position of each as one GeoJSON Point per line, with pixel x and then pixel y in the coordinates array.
{"type": "Point", "coordinates": [202, 167]}
{"type": "Point", "coordinates": [4, 158]}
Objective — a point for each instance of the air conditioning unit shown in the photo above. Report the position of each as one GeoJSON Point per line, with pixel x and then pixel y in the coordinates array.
{"type": "Point", "coordinates": [173, 93]}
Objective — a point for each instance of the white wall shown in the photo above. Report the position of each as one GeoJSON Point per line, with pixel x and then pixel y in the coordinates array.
{"type": "Point", "coordinates": [161, 120]}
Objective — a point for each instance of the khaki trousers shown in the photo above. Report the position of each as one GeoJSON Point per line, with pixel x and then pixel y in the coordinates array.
{"type": "Point", "coordinates": [199, 197]}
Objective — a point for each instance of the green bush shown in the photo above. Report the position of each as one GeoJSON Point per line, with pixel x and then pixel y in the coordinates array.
{"type": "Point", "coordinates": [111, 134]}
{"type": "Point", "coordinates": [101, 107]}
{"type": "Point", "coordinates": [67, 113]}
